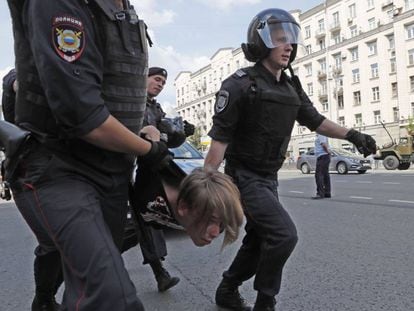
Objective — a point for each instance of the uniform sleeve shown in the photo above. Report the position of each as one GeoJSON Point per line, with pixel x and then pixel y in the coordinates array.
{"type": "Point", "coordinates": [227, 110]}
{"type": "Point", "coordinates": [308, 115]}
{"type": "Point", "coordinates": [69, 63]}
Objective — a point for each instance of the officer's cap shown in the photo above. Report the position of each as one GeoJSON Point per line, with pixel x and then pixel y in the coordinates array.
{"type": "Point", "coordinates": [157, 71]}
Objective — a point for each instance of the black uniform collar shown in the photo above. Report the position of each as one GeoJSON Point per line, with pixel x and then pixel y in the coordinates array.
{"type": "Point", "coordinates": [267, 75]}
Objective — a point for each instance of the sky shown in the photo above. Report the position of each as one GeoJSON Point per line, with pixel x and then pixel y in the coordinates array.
{"type": "Point", "coordinates": [186, 33]}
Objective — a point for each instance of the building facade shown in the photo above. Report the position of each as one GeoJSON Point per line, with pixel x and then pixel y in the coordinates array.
{"type": "Point", "coordinates": [357, 67]}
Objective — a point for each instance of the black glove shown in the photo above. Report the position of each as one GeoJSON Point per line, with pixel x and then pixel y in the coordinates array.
{"type": "Point", "coordinates": [188, 128]}
{"type": "Point", "coordinates": [364, 143]}
{"type": "Point", "coordinates": [157, 158]}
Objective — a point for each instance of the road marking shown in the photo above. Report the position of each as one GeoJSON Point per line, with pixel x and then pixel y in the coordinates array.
{"type": "Point", "coordinates": [401, 201]}
{"type": "Point", "coordinates": [296, 191]}
{"type": "Point", "coordinates": [391, 183]}
{"type": "Point", "coordinates": [344, 181]}
{"type": "Point", "coordinates": [364, 182]}
{"type": "Point", "coordinates": [362, 198]}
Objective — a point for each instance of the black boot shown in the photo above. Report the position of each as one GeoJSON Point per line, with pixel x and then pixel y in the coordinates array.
{"type": "Point", "coordinates": [264, 303]}
{"type": "Point", "coordinates": [48, 277]}
{"type": "Point", "coordinates": [228, 296]}
{"type": "Point", "coordinates": [164, 279]}
{"type": "Point", "coordinates": [50, 305]}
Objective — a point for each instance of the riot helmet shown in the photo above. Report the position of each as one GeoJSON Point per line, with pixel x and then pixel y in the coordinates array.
{"type": "Point", "coordinates": [269, 29]}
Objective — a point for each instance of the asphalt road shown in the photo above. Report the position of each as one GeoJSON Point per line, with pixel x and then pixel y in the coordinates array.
{"type": "Point", "coordinates": [355, 252]}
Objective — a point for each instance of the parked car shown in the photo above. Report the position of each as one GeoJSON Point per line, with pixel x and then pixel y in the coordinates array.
{"type": "Point", "coordinates": [342, 161]}
{"type": "Point", "coordinates": [187, 157]}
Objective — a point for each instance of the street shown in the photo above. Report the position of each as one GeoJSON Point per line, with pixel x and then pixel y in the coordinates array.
{"type": "Point", "coordinates": [355, 252]}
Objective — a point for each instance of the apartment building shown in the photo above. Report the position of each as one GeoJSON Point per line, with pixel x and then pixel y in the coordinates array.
{"type": "Point", "coordinates": [357, 66]}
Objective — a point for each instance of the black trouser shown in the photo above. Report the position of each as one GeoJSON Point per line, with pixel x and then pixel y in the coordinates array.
{"type": "Point", "coordinates": [323, 180]}
{"type": "Point", "coordinates": [71, 213]}
{"type": "Point", "coordinates": [270, 234]}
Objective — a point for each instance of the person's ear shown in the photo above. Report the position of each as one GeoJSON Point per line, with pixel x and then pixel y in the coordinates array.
{"type": "Point", "coordinates": [183, 209]}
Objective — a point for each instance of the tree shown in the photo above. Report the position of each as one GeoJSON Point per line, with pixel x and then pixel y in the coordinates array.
{"type": "Point", "coordinates": [195, 139]}
{"type": "Point", "coordinates": [410, 126]}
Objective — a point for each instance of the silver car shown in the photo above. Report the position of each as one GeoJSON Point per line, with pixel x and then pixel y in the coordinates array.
{"type": "Point", "coordinates": [342, 161]}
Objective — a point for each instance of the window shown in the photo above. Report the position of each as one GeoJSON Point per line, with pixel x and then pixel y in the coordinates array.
{"type": "Point", "coordinates": [228, 69]}
{"type": "Point", "coordinates": [412, 109]}
{"type": "Point", "coordinates": [372, 48]}
{"type": "Point", "coordinates": [338, 60]}
{"type": "Point", "coordinates": [307, 32]}
{"type": "Point", "coordinates": [410, 31]}
{"type": "Point", "coordinates": [411, 83]}
{"type": "Point", "coordinates": [393, 65]}
{"type": "Point", "coordinates": [358, 119]}
{"type": "Point", "coordinates": [357, 98]}
{"type": "Point", "coordinates": [325, 106]}
{"type": "Point", "coordinates": [391, 42]}
{"type": "Point", "coordinates": [370, 4]}
{"type": "Point", "coordinates": [336, 38]}
{"type": "Point", "coordinates": [394, 89]}
{"type": "Point", "coordinates": [238, 64]}
{"type": "Point", "coordinates": [354, 31]}
{"type": "Point", "coordinates": [323, 65]}
{"type": "Point", "coordinates": [372, 23]}
{"type": "Point", "coordinates": [309, 49]}
{"type": "Point", "coordinates": [411, 57]}
{"type": "Point", "coordinates": [355, 75]}
{"type": "Point", "coordinates": [340, 101]}
{"type": "Point", "coordinates": [308, 68]}
{"type": "Point", "coordinates": [409, 4]}
{"type": "Point", "coordinates": [335, 17]}
{"type": "Point", "coordinates": [374, 70]}
{"type": "Point", "coordinates": [310, 89]}
{"type": "Point", "coordinates": [395, 114]}
{"type": "Point", "coordinates": [321, 25]}
{"type": "Point", "coordinates": [178, 93]}
{"type": "Point", "coordinates": [341, 121]}
{"type": "Point", "coordinates": [322, 44]}
{"type": "Point", "coordinates": [377, 117]}
{"type": "Point", "coordinates": [352, 11]}
{"type": "Point", "coordinates": [354, 53]}
{"type": "Point", "coordinates": [375, 93]}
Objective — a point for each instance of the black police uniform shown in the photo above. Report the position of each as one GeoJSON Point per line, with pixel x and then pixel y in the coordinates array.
{"type": "Point", "coordinates": [78, 62]}
{"type": "Point", "coordinates": [255, 115]}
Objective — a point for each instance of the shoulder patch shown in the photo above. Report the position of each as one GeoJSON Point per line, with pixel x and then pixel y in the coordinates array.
{"type": "Point", "coordinates": [221, 101]}
{"type": "Point", "coordinates": [240, 73]}
{"type": "Point", "coordinates": [68, 37]}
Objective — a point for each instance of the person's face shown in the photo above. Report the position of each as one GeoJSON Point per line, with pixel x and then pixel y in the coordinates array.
{"type": "Point", "coordinates": [155, 85]}
{"type": "Point", "coordinates": [201, 233]}
{"type": "Point", "coordinates": [280, 55]}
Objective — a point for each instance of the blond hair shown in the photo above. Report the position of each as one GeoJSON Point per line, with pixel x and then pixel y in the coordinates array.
{"type": "Point", "coordinates": [210, 191]}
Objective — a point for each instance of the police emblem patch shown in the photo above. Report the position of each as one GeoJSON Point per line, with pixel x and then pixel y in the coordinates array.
{"type": "Point", "coordinates": [68, 37]}
{"type": "Point", "coordinates": [221, 101]}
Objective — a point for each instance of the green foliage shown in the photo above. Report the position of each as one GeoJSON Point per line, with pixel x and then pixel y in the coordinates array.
{"type": "Point", "coordinates": [410, 126]}
{"type": "Point", "coordinates": [195, 139]}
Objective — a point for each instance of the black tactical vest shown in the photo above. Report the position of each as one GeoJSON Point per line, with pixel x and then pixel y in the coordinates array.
{"type": "Point", "coordinates": [266, 123]}
{"type": "Point", "coordinates": [123, 43]}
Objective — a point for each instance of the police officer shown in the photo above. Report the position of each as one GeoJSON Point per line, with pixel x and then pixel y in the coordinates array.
{"type": "Point", "coordinates": [152, 242]}
{"type": "Point", "coordinates": [47, 264]}
{"type": "Point", "coordinates": [255, 111]}
{"type": "Point", "coordinates": [82, 70]}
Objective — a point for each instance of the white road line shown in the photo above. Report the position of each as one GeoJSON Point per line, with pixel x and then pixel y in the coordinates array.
{"type": "Point", "coordinates": [364, 182]}
{"type": "Point", "coordinates": [296, 191]}
{"type": "Point", "coordinates": [362, 198]}
{"type": "Point", "coordinates": [401, 201]}
{"type": "Point", "coordinates": [391, 183]}
{"type": "Point", "coordinates": [343, 181]}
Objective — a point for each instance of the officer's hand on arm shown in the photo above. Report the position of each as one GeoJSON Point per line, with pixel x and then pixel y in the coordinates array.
{"type": "Point", "coordinates": [150, 132]}
{"type": "Point", "coordinates": [188, 128]}
{"type": "Point", "coordinates": [364, 143]}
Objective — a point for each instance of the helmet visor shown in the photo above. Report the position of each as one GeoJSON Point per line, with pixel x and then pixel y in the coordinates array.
{"type": "Point", "coordinates": [277, 34]}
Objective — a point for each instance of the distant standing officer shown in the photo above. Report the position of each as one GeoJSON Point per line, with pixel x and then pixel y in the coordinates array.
{"type": "Point", "coordinates": [323, 158]}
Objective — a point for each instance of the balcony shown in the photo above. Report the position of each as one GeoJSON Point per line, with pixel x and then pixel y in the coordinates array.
{"type": "Point", "coordinates": [335, 27]}
{"type": "Point", "coordinates": [322, 95]}
{"type": "Point", "coordinates": [321, 74]}
{"type": "Point", "coordinates": [338, 91]}
{"type": "Point", "coordinates": [387, 4]}
{"type": "Point", "coordinates": [320, 33]}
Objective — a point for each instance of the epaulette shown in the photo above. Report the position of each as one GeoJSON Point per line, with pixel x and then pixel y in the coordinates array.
{"type": "Point", "coordinates": [239, 73]}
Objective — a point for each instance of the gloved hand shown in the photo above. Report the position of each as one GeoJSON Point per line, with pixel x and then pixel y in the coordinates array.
{"type": "Point", "coordinates": [364, 143]}
{"type": "Point", "coordinates": [188, 128]}
{"type": "Point", "coordinates": [158, 157]}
